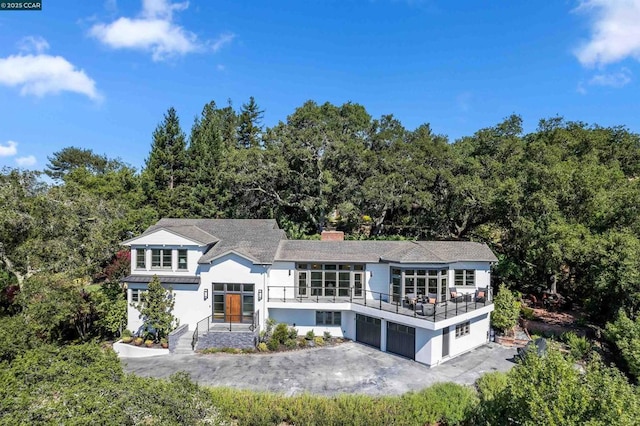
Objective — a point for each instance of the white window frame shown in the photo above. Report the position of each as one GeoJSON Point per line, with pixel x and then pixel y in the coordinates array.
{"type": "Point", "coordinates": [468, 276]}
{"type": "Point", "coordinates": [162, 258]}
{"type": "Point", "coordinates": [463, 329]}
{"type": "Point", "coordinates": [332, 315]}
{"type": "Point", "coordinates": [144, 259]}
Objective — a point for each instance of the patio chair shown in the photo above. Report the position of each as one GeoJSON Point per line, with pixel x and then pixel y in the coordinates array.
{"type": "Point", "coordinates": [481, 295]}
{"type": "Point", "coordinates": [410, 299]}
{"type": "Point", "coordinates": [426, 309]}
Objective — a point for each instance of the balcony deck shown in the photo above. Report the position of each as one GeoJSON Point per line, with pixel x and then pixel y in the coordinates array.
{"type": "Point", "coordinates": [435, 312]}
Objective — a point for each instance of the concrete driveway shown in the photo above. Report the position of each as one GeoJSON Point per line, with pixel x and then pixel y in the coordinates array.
{"type": "Point", "coordinates": [346, 368]}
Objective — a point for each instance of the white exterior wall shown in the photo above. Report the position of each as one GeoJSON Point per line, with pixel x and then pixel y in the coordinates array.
{"type": "Point", "coordinates": [304, 320]}
{"type": "Point", "coordinates": [235, 269]}
{"type": "Point", "coordinates": [282, 274]}
{"type": "Point", "coordinates": [428, 346]}
{"type": "Point", "coordinates": [189, 308]}
{"type": "Point", "coordinates": [478, 335]}
{"type": "Point", "coordinates": [377, 278]}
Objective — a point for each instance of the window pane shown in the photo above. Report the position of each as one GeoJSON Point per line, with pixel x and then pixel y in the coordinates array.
{"type": "Point", "coordinates": [409, 272]}
{"type": "Point", "coordinates": [358, 267]}
{"type": "Point", "coordinates": [155, 258]}
{"type": "Point", "coordinates": [135, 295]}
{"type": "Point", "coordinates": [218, 287]}
{"type": "Point", "coordinates": [182, 259]}
{"type": "Point", "coordinates": [422, 272]}
{"type": "Point", "coordinates": [248, 288]}
{"type": "Point", "coordinates": [344, 267]}
{"type": "Point", "coordinates": [247, 304]}
{"type": "Point", "coordinates": [140, 259]}
{"type": "Point", "coordinates": [459, 277]}
{"type": "Point", "coordinates": [166, 259]}
{"type": "Point", "coordinates": [337, 318]}
{"type": "Point", "coordinates": [319, 318]}
{"type": "Point", "coordinates": [471, 277]}
{"type": "Point", "coordinates": [302, 266]}
{"type": "Point", "coordinates": [330, 267]}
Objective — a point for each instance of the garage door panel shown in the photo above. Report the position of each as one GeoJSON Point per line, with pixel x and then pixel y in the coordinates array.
{"type": "Point", "coordinates": [368, 330]}
{"type": "Point", "coordinates": [401, 340]}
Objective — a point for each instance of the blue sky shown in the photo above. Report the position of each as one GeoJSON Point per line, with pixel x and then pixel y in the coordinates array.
{"type": "Point", "coordinates": [101, 74]}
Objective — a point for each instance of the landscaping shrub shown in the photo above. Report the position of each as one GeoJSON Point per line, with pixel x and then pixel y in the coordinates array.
{"type": "Point", "coordinates": [291, 344]}
{"type": "Point", "coordinates": [273, 344]}
{"type": "Point", "coordinates": [318, 340]}
{"type": "Point", "coordinates": [527, 313]}
{"type": "Point", "coordinates": [507, 310]}
{"type": "Point", "coordinates": [293, 333]}
{"type": "Point", "coordinates": [327, 335]}
{"type": "Point", "coordinates": [310, 335]}
{"type": "Point", "coordinates": [280, 333]}
{"type": "Point", "coordinates": [579, 347]}
{"type": "Point", "coordinates": [262, 347]}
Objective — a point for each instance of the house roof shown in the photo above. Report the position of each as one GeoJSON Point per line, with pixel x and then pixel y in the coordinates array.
{"type": "Point", "coordinates": [262, 242]}
{"type": "Point", "coordinates": [164, 279]}
{"type": "Point", "coordinates": [385, 251]}
{"type": "Point", "coordinates": [254, 239]}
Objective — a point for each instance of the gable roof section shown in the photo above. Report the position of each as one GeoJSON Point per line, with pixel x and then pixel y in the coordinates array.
{"type": "Point", "coordinates": [384, 251]}
{"type": "Point", "coordinates": [190, 232]}
{"type": "Point", "coordinates": [254, 239]}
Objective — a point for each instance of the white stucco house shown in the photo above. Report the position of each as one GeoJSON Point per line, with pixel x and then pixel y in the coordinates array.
{"type": "Point", "coordinates": [426, 300]}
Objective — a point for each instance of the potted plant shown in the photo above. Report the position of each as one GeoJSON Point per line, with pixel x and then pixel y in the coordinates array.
{"type": "Point", "coordinates": [148, 343]}
{"type": "Point", "coordinates": [127, 337]}
{"type": "Point", "coordinates": [138, 341]}
{"type": "Point", "coordinates": [164, 343]}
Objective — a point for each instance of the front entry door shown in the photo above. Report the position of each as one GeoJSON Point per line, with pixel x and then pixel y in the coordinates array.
{"type": "Point", "coordinates": [234, 308]}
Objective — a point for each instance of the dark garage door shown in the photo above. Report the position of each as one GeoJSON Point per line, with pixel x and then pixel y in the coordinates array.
{"type": "Point", "coordinates": [401, 340]}
{"type": "Point", "coordinates": [368, 330]}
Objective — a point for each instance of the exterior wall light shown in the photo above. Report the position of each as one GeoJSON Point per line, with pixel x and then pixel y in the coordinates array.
{"type": "Point", "coordinates": [259, 295]}
{"type": "Point", "coordinates": [206, 293]}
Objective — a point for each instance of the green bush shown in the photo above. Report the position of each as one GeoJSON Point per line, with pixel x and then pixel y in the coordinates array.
{"type": "Point", "coordinates": [579, 347]}
{"type": "Point", "coordinates": [310, 335]}
{"type": "Point", "coordinates": [273, 344]}
{"type": "Point", "coordinates": [127, 333]}
{"type": "Point", "coordinates": [280, 333]}
{"type": "Point", "coordinates": [507, 310]}
{"type": "Point", "coordinates": [293, 333]}
{"type": "Point", "coordinates": [303, 343]}
{"type": "Point", "coordinates": [624, 333]}
{"type": "Point", "coordinates": [291, 344]}
{"type": "Point", "coordinates": [318, 340]}
{"type": "Point", "coordinates": [327, 335]}
{"type": "Point", "coordinates": [16, 336]}
{"type": "Point", "coordinates": [262, 347]}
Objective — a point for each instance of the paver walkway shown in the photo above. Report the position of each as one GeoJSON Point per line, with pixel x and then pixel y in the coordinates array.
{"type": "Point", "coordinates": [346, 368]}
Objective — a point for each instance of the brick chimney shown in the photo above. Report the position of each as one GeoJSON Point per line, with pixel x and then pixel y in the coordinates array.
{"type": "Point", "coordinates": [332, 236]}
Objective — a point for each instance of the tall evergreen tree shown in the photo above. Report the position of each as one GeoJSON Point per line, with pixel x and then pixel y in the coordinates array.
{"type": "Point", "coordinates": [166, 166]}
{"type": "Point", "coordinates": [250, 125]}
{"type": "Point", "coordinates": [204, 156]}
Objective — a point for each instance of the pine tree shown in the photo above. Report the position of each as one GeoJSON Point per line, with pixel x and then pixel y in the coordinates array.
{"type": "Point", "coordinates": [156, 307]}
{"type": "Point", "coordinates": [164, 171]}
{"type": "Point", "coordinates": [250, 125]}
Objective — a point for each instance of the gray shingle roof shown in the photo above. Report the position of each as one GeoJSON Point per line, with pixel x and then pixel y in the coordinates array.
{"type": "Point", "coordinates": [261, 241]}
{"type": "Point", "coordinates": [386, 251]}
{"type": "Point", "coordinates": [255, 239]}
{"type": "Point", "coordinates": [164, 279]}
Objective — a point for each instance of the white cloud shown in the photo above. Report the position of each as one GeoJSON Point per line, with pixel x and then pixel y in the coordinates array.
{"type": "Point", "coordinates": [43, 74]}
{"type": "Point", "coordinates": [9, 149]}
{"type": "Point", "coordinates": [615, 33]}
{"type": "Point", "coordinates": [616, 79]}
{"type": "Point", "coordinates": [154, 31]}
{"type": "Point", "coordinates": [223, 40]}
{"type": "Point", "coordinates": [33, 44]}
{"type": "Point", "coordinates": [27, 161]}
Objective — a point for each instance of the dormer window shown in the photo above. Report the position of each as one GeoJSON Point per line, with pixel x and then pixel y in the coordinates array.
{"type": "Point", "coordinates": [141, 262]}
{"type": "Point", "coordinates": [161, 259]}
{"type": "Point", "coordinates": [182, 260]}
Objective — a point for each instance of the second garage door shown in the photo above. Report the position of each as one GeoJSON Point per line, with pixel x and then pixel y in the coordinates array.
{"type": "Point", "coordinates": [368, 330]}
{"type": "Point", "coordinates": [401, 340]}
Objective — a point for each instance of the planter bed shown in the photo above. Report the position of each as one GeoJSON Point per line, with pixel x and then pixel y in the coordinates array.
{"type": "Point", "coordinates": [129, 350]}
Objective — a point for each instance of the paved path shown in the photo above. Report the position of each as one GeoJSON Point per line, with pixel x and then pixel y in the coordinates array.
{"type": "Point", "coordinates": [346, 368]}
